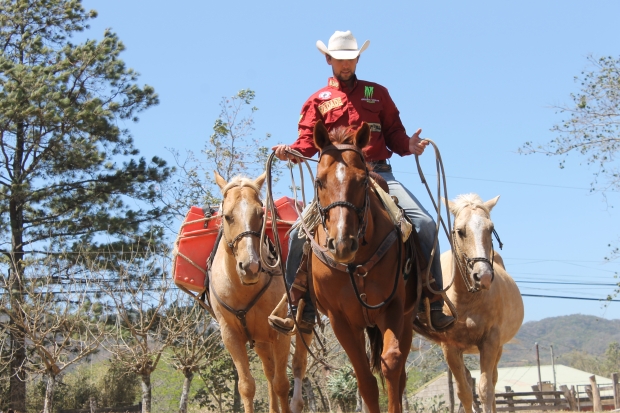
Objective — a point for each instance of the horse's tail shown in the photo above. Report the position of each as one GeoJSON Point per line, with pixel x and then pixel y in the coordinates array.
{"type": "Point", "coordinates": [376, 348]}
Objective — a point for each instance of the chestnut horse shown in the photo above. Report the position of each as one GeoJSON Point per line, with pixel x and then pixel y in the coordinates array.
{"type": "Point", "coordinates": [242, 294]}
{"type": "Point", "coordinates": [486, 298]}
{"type": "Point", "coordinates": [357, 267]}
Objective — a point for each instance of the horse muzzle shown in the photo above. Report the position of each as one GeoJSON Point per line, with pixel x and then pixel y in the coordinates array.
{"type": "Point", "coordinates": [483, 280]}
{"type": "Point", "coordinates": [249, 271]}
{"type": "Point", "coordinates": [343, 249]}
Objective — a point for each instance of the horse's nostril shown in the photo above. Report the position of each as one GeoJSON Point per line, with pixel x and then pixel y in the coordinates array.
{"type": "Point", "coordinates": [331, 244]}
{"type": "Point", "coordinates": [354, 245]}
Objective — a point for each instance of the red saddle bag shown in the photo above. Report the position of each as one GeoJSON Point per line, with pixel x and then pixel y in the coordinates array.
{"type": "Point", "coordinates": [196, 240]}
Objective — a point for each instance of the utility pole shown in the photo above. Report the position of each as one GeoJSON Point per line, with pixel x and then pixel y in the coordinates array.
{"type": "Point", "coordinates": [553, 368]}
{"type": "Point", "coordinates": [538, 364]}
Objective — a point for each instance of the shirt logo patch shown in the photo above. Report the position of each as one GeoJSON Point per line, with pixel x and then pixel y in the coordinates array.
{"type": "Point", "coordinates": [329, 105]}
{"type": "Point", "coordinates": [375, 127]}
{"type": "Point", "coordinates": [333, 83]}
{"type": "Point", "coordinates": [368, 92]}
{"type": "Point", "coordinates": [325, 95]}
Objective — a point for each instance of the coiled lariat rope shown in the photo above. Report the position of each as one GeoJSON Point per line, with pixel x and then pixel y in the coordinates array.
{"type": "Point", "coordinates": [441, 179]}
{"type": "Point", "coordinates": [270, 206]}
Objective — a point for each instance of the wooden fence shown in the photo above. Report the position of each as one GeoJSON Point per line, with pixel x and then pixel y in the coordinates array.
{"type": "Point", "coordinates": [123, 409]}
{"type": "Point", "coordinates": [592, 397]}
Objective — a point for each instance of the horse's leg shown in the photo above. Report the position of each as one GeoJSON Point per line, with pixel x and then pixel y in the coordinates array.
{"type": "Point", "coordinates": [274, 357]}
{"type": "Point", "coordinates": [265, 353]}
{"type": "Point", "coordinates": [396, 338]}
{"type": "Point", "coordinates": [489, 353]}
{"type": "Point", "coordinates": [454, 358]}
{"type": "Point", "coordinates": [236, 348]}
{"type": "Point", "coordinates": [495, 374]}
{"type": "Point", "coordinates": [300, 363]}
{"type": "Point", "coordinates": [354, 344]}
{"type": "Point", "coordinates": [405, 347]}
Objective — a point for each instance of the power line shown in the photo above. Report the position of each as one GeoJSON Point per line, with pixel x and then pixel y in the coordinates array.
{"type": "Point", "coordinates": [564, 283]}
{"type": "Point", "coordinates": [570, 298]}
{"type": "Point", "coordinates": [503, 182]}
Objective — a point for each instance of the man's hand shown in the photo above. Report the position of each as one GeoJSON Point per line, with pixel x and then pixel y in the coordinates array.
{"type": "Point", "coordinates": [417, 145]}
{"type": "Point", "coordinates": [280, 152]}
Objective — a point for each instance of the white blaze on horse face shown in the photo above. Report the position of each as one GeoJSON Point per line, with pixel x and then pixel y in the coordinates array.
{"type": "Point", "coordinates": [252, 257]}
{"type": "Point", "coordinates": [477, 225]}
{"type": "Point", "coordinates": [340, 176]}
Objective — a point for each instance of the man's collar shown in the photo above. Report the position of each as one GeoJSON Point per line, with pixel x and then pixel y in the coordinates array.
{"type": "Point", "coordinates": [336, 84]}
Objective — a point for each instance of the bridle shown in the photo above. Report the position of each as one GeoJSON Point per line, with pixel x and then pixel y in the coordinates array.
{"type": "Point", "coordinates": [353, 270]}
{"type": "Point", "coordinates": [361, 212]}
{"type": "Point", "coordinates": [466, 264]}
{"type": "Point", "coordinates": [232, 244]}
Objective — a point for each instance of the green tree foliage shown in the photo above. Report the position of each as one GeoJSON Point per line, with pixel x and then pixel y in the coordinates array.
{"type": "Point", "coordinates": [67, 169]}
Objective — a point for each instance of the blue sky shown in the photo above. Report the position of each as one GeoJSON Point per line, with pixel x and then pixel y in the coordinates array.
{"type": "Point", "coordinates": [479, 77]}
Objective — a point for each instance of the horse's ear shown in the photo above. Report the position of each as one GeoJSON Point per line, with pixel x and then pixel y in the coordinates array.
{"type": "Point", "coordinates": [451, 205]}
{"type": "Point", "coordinates": [491, 203]}
{"type": "Point", "coordinates": [221, 182]}
{"type": "Point", "coordinates": [362, 136]}
{"type": "Point", "coordinates": [260, 180]}
{"type": "Point", "coordinates": [321, 135]}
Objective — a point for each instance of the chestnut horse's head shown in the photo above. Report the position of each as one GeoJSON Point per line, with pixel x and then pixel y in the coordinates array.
{"type": "Point", "coordinates": [242, 218]}
{"type": "Point", "coordinates": [472, 239]}
{"type": "Point", "coordinates": [342, 188]}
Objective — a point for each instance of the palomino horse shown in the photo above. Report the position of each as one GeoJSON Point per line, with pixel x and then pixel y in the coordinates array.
{"type": "Point", "coordinates": [357, 267]}
{"type": "Point", "coordinates": [242, 294]}
{"type": "Point", "coordinates": [486, 298]}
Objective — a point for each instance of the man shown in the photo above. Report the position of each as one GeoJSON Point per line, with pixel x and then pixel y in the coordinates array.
{"type": "Point", "coordinates": [348, 101]}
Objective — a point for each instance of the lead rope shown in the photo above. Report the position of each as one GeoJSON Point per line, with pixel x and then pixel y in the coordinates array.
{"type": "Point", "coordinates": [441, 179]}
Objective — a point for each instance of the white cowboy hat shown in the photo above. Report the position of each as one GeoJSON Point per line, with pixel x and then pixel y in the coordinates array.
{"type": "Point", "coordinates": [342, 46]}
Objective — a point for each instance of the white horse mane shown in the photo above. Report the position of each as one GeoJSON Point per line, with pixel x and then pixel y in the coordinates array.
{"type": "Point", "coordinates": [468, 200]}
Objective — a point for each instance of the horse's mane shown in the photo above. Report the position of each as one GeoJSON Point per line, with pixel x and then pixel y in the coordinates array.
{"type": "Point", "coordinates": [240, 181]}
{"type": "Point", "coordinates": [469, 200]}
{"type": "Point", "coordinates": [342, 135]}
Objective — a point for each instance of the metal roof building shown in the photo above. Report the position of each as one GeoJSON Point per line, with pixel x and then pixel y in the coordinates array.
{"type": "Point", "coordinates": [520, 379]}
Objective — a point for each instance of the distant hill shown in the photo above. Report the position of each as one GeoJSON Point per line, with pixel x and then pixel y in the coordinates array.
{"type": "Point", "coordinates": [566, 334]}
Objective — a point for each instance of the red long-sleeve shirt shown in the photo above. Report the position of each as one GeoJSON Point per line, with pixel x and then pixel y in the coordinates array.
{"type": "Point", "coordinates": [366, 102]}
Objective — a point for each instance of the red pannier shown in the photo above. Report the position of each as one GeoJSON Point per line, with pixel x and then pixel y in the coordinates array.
{"type": "Point", "coordinates": [197, 236]}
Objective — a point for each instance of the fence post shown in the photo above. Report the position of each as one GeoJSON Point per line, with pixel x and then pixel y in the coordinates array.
{"type": "Point", "coordinates": [509, 399]}
{"type": "Point", "coordinates": [596, 395]}
{"type": "Point", "coordinates": [569, 397]}
{"type": "Point", "coordinates": [614, 381]}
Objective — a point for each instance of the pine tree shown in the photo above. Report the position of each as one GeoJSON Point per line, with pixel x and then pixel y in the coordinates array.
{"type": "Point", "coordinates": [67, 169]}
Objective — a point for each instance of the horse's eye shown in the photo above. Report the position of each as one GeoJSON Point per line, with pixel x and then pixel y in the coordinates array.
{"type": "Point", "coordinates": [318, 184]}
{"type": "Point", "coordinates": [460, 232]}
{"type": "Point", "coordinates": [228, 218]}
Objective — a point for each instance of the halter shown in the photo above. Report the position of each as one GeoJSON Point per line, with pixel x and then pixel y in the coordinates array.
{"type": "Point", "coordinates": [466, 265]}
{"type": "Point", "coordinates": [232, 244]}
{"type": "Point", "coordinates": [361, 212]}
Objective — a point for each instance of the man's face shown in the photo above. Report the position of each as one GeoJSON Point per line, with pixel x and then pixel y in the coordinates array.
{"type": "Point", "coordinates": [343, 69]}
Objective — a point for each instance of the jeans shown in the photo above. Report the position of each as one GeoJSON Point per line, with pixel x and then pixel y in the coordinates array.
{"type": "Point", "coordinates": [424, 225]}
